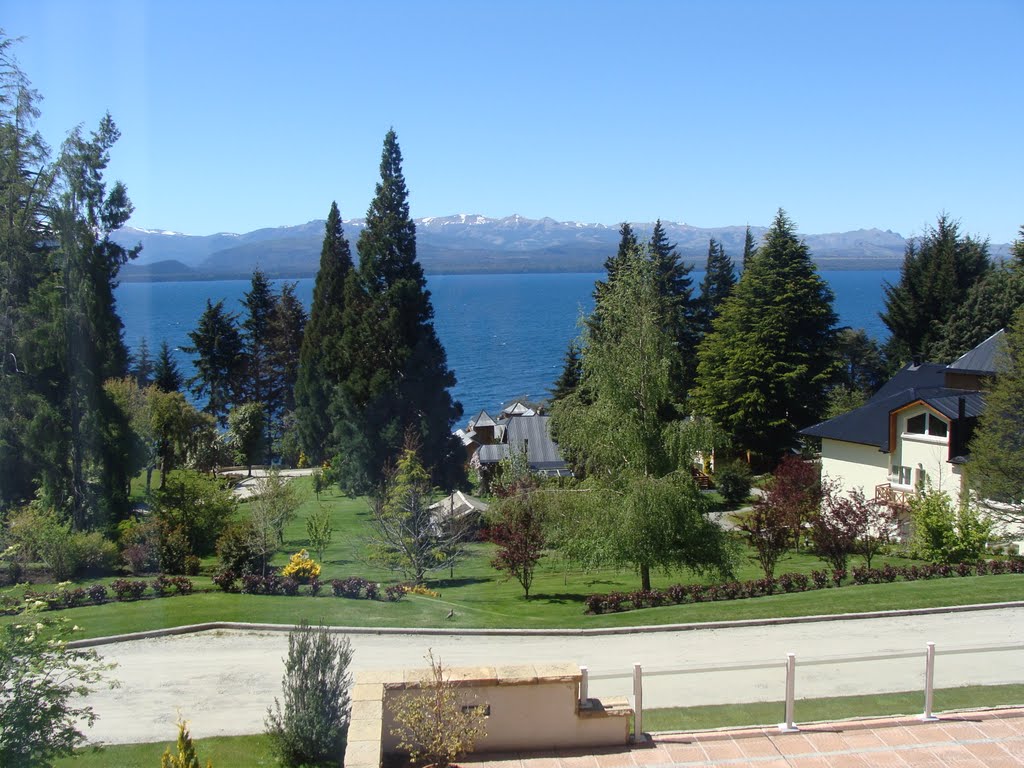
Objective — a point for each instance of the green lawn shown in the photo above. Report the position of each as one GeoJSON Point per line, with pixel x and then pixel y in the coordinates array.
{"type": "Point", "coordinates": [222, 751]}
{"type": "Point", "coordinates": [481, 596]}
{"type": "Point", "coordinates": [835, 708]}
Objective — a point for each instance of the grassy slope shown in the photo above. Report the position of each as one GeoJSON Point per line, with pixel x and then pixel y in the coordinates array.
{"type": "Point", "coordinates": [481, 597]}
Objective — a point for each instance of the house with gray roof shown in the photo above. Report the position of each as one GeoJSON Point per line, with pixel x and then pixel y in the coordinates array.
{"type": "Point", "coordinates": [913, 433]}
{"type": "Point", "coordinates": [520, 429]}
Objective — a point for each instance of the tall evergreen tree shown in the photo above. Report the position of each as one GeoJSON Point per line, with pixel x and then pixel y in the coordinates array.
{"type": "Point", "coordinates": [989, 306]}
{"type": "Point", "coordinates": [764, 368]}
{"type": "Point", "coordinates": [749, 249]}
{"type": "Point", "coordinates": [321, 358]}
{"type": "Point", "coordinates": [258, 308]}
{"type": "Point", "coordinates": [676, 287]}
{"type": "Point", "coordinates": [166, 374]}
{"type": "Point", "coordinates": [142, 364]}
{"type": "Point", "coordinates": [219, 362]}
{"type": "Point", "coordinates": [26, 177]}
{"type": "Point", "coordinates": [936, 276]}
{"type": "Point", "coordinates": [718, 281]}
{"type": "Point", "coordinates": [572, 372]}
{"type": "Point", "coordinates": [398, 377]}
{"type": "Point", "coordinates": [285, 335]}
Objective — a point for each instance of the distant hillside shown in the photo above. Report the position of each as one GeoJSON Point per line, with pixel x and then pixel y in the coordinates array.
{"type": "Point", "coordinates": [470, 243]}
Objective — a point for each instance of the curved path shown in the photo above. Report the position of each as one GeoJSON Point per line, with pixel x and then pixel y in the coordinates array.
{"type": "Point", "coordinates": [223, 681]}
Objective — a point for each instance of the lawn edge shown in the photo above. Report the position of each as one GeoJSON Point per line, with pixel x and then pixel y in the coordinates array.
{"type": "Point", "coordinates": [511, 632]}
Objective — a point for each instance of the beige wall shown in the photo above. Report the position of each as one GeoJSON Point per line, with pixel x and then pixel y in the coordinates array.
{"type": "Point", "coordinates": [854, 465]}
{"type": "Point", "coordinates": [928, 454]}
{"type": "Point", "coordinates": [531, 708]}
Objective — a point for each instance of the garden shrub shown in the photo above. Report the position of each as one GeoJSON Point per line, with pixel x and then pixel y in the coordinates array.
{"type": "Point", "coordinates": [301, 567]}
{"type": "Point", "coordinates": [128, 590]}
{"type": "Point", "coordinates": [192, 565]}
{"type": "Point", "coordinates": [226, 579]}
{"type": "Point", "coordinates": [96, 555]}
{"type": "Point", "coordinates": [289, 586]}
{"type": "Point", "coordinates": [174, 549]}
{"type": "Point", "coordinates": [393, 593]}
{"type": "Point", "coordinates": [237, 549]}
{"type": "Point", "coordinates": [314, 586]}
{"type": "Point", "coordinates": [98, 594]}
{"type": "Point", "coordinates": [733, 482]}
{"type": "Point", "coordinates": [312, 726]}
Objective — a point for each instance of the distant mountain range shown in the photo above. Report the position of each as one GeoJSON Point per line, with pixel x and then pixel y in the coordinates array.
{"type": "Point", "coordinates": [470, 243]}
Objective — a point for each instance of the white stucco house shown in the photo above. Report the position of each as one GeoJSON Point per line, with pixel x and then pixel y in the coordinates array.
{"type": "Point", "coordinates": [913, 433]}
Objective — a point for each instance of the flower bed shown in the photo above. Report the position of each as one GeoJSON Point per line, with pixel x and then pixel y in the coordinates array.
{"type": "Point", "coordinates": [680, 594]}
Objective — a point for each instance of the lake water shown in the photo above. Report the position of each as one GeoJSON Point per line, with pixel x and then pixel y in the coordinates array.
{"type": "Point", "coordinates": [505, 335]}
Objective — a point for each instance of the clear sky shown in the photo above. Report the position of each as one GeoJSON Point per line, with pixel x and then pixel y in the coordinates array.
{"type": "Point", "coordinates": [240, 115]}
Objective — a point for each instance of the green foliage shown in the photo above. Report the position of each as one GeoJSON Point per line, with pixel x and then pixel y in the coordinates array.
{"type": "Point", "coordinates": [733, 481]}
{"type": "Point", "coordinates": [623, 428]}
{"type": "Point", "coordinates": [274, 503]}
{"type": "Point", "coordinates": [141, 367]}
{"type": "Point", "coordinates": [39, 534]}
{"type": "Point", "coordinates": [519, 534]}
{"type": "Point", "coordinates": [938, 272]}
{"type": "Point", "coordinates": [943, 534]}
{"type": "Point", "coordinates": [433, 726]}
{"type": "Point", "coordinates": [312, 727]}
{"type": "Point", "coordinates": [238, 550]}
{"type": "Point", "coordinates": [861, 366]}
{"type": "Point", "coordinates": [719, 279]}
{"type": "Point", "coordinates": [763, 371]}
{"type": "Point", "coordinates": [219, 361]}
{"type": "Point", "coordinates": [572, 373]}
{"type": "Point", "coordinates": [197, 504]}
{"type": "Point", "coordinates": [405, 538]}
{"type": "Point", "coordinates": [319, 530]}
{"type": "Point", "coordinates": [43, 681]}
{"type": "Point", "coordinates": [995, 472]}
{"type": "Point", "coordinates": [246, 432]}
{"type": "Point", "coordinates": [321, 364]}
{"type": "Point", "coordinates": [166, 374]}
{"type": "Point", "coordinates": [397, 378]}
{"type": "Point", "coordinates": [186, 756]}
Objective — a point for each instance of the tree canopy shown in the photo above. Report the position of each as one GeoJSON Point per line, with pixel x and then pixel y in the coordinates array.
{"type": "Point", "coordinates": [763, 370]}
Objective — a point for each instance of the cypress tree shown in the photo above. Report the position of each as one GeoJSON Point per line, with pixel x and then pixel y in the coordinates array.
{"type": "Point", "coordinates": [321, 356]}
{"type": "Point", "coordinates": [764, 368]}
{"type": "Point", "coordinates": [398, 377]}
{"type": "Point", "coordinates": [718, 282]}
{"type": "Point", "coordinates": [937, 274]}
{"type": "Point", "coordinates": [219, 362]}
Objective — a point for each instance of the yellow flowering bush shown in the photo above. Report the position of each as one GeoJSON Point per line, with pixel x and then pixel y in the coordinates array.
{"type": "Point", "coordinates": [301, 567]}
{"type": "Point", "coordinates": [419, 589]}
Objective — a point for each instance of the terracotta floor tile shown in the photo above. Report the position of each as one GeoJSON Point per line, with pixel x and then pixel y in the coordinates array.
{"type": "Point", "coordinates": [793, 744]}
{"type": "Point", "coordinates": [896, 737]}
{"type": "Point", "coordinates": [722, 750]}
{"type": "Point", "coordinates": [540, 762]}
{"type": "Point", "coordinates": [922, 758]}
{"type": "Point", "coordinates": [954, 754]}
{"type": "Point", "coordinates": [824, 741]}
{"type": "Point", "coordinates": [757, 747]}
{"type": "Point", "coordinates": [688, 753]}
{"type": "Point", "coordinates": [620, 759]}
{"type": "Point", "coordinates": [810, 762]}
{"type": "Point", "coordinates": [962, 731]}
{"type": "Point", "coordinates": [861, 740]}
{"type": "Point", "coordinates": [577, 761]}
{"type": "Point", "coordinates": [650, 755]}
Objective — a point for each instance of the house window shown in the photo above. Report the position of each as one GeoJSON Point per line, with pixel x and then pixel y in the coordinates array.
{"type": "Point", "coordinates": [902, 475]}
{"type": "Point", "coordinates": [927, 424]}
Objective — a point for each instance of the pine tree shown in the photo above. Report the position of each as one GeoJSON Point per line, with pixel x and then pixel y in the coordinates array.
{"type": "Point", "coordinates": [764, 368]}
{"type": "Point", "coordinates": [166, 374]}
{"type": "Point", "coordinates": [718, 281]}
{"type": "Point", "coordinates": [676, 287]}
{"type": "Point", "coordinates": [572, 373]}
{"type": "Point", "coordinates": [321, 359]}
{"type": "Point", "coordinates": [749, 249]}
{"type": "Point", "coordinates": [258, 308]}
{"type": "Point", "coordinates": [284, 340]}
{"type": "Point", "coordinates": [219, 362]}
{"type": "Point", "coordinates": [398, 379]}
{"type": "Point", "coordinates": [989, 306]}
{"type": "Point", "coordinates": [142, 364]}
{"type": "Point", "coordinates": [995, 471]}
{"type": "Point", "coordinates": [936, 276]}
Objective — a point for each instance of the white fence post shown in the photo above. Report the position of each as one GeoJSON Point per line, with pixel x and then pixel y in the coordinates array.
{"type": "Point", "coordinates": [584, 685]}
{"type": "Point", "coordinates": [638, 703]}
{"type": "Point", "coordinates": [929, 682]}
{"type": "Point", "coordinates": [789, 726]}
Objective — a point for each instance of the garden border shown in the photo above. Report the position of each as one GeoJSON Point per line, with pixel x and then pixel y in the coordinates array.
{"type": "Point", "coordinates": [591, 632]}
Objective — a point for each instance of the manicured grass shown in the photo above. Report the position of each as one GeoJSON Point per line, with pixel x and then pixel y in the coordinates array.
{"type": "Point", "coordinates": [482, 597]}
{"type": "Point", "coordinates": [834, 708]}
{"type": "Point", "coordinates": [223, 751]}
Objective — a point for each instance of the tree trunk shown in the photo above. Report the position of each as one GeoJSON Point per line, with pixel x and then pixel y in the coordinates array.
{"type": "Point", "coordinates": [645, 576]}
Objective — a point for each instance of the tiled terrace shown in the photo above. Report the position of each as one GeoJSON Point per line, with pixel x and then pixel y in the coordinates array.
{"type": "Point", "coordinates": [984, 739]}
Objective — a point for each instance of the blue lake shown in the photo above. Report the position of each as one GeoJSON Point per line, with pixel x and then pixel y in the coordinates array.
{"type": "Point", "coordinates": [505, 335]}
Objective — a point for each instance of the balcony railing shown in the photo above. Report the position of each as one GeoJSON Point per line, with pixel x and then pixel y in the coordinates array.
{"type": "Point", "coordinates": [896, 498]}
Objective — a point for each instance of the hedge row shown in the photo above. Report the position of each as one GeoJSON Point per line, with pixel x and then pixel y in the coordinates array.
{"type": "Point", "coordinates": [680, 594]}
{"type": "Point", "coordinates": [353, 587]}
{"type": "Point", "coordinates": [123, 590]}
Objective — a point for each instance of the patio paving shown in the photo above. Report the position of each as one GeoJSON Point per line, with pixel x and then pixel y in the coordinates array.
{"type": "Point", "coordinates": [977, 739]}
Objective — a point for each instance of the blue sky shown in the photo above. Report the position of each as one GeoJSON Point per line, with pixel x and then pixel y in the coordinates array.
{"type": "Point", "coordinates": [240, 115]}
